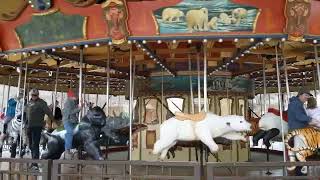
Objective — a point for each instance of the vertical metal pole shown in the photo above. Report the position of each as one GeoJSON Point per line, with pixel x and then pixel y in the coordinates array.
{"type": "Point", "coordinates": [61, 103]}
{"type": "Point", "coordinates": [228, 100]}
{"type": "Point", "coordinates": [162, 98]}
{"type": "Point", "coordinates": [261, 106]}
{"type": "Point", "coordinates": [3, 92]}
{"type": "Point", "coordinates": [199, 83]}
{"type": "Point", "coordinates": [264, 85]}
{"type": "Point", "coordinates": [315, 83]}
{"type": "Point", "coordinates": [20, 76]}
{"type": "Point", "coordinates": [190, 82]}
{"type": "Point", "coordinates": [23, 102]}
{"type": "Point", "coordinates": [80, 81]}
{"type": "Point", "coordinates": [108, 82]}
{"type": "Point", "coordinates": [269, 99]}
{"type": "Point", "coordinates": [97, 99]}
{"type": "Point", "coordinates": [317, 62]}
{"type": "Point", "coordinates": [130, 106]}
{"type": "Point", "coordinates": [85, 99]}
{"type": "Point", "coordinates": [9, 87]}
{"type": "Point", "coordinates": [286, 78]}
{"type": "Point", "coordinates": [280, 102]}
{"type": "Point", "coordinates": [205, 92]}
{"type": "Point", "coordinates": [55, 92]}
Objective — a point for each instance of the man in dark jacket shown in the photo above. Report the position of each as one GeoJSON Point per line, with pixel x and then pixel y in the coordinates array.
{"type": "Point", "coordinates": [297, 116]}
{"type": "Point", "coordinates": [36, 110]}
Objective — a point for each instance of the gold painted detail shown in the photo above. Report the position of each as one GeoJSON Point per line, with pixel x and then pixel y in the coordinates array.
{"type": "Point", "coordinates": [46, 13]}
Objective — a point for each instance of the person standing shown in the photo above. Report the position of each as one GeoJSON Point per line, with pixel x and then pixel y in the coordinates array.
{"type": "Point", "coordinates": [35, 111]}
{"type": "Point", "coordinates": [70, 114]}
{"type": "Point", "coordinates": [10, 112]}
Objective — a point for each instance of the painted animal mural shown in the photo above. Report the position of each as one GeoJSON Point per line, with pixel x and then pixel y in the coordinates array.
{"type": "Point", "coordinates": [203, 127]}
{"type": "Point", "coordinates": [205, 16]}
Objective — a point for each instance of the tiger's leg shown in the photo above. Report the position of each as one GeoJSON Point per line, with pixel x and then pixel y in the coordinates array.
{"type": "Point", "coordinates": [301, 156]}
{"type": "Point", "coordinates": [292, 158]}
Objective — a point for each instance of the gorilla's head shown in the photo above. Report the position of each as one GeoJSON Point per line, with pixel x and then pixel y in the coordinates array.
{"type": "Point", "coordinates": [96, 116]}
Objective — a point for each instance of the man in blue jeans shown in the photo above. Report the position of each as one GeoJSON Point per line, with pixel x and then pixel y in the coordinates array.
{"type": "Point", "coordinates": [35, 111]}
{"type": "Point", "coordinates": [70, 114]}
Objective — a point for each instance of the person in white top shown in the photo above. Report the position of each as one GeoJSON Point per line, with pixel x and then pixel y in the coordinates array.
{"type": "Point", "coordinates": [314, 112]}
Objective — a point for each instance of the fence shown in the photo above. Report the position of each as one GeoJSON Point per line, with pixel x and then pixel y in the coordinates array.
{"type": "Point", "coordinates": [260, 170]}
{"type": "Point", "coordinates": [11, 169]}
{"type": "Point", "coordinates": [16, 169]}
{"type": "Point", "coordinates": [121, 170]}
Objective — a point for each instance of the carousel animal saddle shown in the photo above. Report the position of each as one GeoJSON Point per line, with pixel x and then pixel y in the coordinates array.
{"type": "Point", "coordinates": [193, 117]}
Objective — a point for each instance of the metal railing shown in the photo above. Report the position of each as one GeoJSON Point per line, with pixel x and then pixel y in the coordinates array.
{"type": "Point", "coordinates": [11, 169]}
{"type": "Point", "coordinates": [260, 170]}
{"type": "Point", "coordinates": [121, 170]}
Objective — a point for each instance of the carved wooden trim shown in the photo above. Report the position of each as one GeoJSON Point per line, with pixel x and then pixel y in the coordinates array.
{"type": "Point", "coordinates": [297, 13]}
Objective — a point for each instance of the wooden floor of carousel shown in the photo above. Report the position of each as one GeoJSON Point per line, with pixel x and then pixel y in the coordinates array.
{"type": "Point", "coordinates": [96, 171]}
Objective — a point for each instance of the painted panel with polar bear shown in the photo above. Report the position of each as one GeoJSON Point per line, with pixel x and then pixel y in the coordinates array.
{"type": "Point", "coordinates": [191, 16]}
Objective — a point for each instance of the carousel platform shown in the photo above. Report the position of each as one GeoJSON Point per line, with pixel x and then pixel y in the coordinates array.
{"type": "Point", "coordinates": [117, 168]}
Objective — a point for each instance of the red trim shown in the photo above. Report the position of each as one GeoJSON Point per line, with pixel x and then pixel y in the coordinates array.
{"type": "Point", "coordinates": [277, 112]}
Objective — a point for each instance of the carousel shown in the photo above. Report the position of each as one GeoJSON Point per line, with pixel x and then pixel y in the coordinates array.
{"type": "Point", "coordinates": [167, 85]}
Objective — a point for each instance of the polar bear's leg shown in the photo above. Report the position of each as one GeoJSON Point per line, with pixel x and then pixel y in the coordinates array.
{"type": "Point", "coordinates": [235, 136]}
{"type": "Point", "coordinates": [162, 144]}
{"type": "Point", "coordinates": [205, 137]}
{"type": "Point", "coordinates": [165, 150]}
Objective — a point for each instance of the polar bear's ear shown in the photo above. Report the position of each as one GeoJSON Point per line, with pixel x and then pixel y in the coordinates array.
{"type": "Point", "coordinates": [228, 123]}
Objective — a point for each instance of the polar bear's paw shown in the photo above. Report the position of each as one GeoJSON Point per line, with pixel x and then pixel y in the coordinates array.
{"type": "Point", "coordinates": [214, 148]}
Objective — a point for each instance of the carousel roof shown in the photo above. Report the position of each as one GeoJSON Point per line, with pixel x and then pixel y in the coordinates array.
{"type": "Point", "coordinates": [156, 49]}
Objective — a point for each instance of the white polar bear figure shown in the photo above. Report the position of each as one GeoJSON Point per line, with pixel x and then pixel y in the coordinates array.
{"type": "Point", "coordinates": [269, 120]}
{"type": "Point", "coordinates": [239, 14]}
{"type": "Point", "coordinates": [197, 19]}
{"type": "Point", "coordinates": [211, 126]}
{"type": "Point", "coordinates": [226, 19]}
{"type": "Point", "coordinates": [213, 23]}
{"type": "Point", "coordinates": [171, 14]}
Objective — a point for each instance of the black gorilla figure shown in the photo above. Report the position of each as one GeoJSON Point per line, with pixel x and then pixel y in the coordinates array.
{"type": "Point", "coordinates": [88, 136]}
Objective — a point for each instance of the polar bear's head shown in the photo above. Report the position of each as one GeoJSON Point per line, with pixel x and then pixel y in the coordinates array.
{"type": "Point", "coordinates": [180, 13]}
{"type": "Point", "coordinates": [237, 123]}
{"type": "Point", "coordinates": [204, 10]}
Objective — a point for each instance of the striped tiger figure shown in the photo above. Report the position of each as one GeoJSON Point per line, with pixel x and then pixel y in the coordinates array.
{"type": "Point", "coordinates": [306, 142]}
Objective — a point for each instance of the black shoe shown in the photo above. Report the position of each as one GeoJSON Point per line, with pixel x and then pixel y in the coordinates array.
{"type": "Point", "coordinates": [34, 168]}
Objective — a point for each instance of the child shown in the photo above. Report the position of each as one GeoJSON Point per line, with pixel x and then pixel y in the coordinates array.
{"type": "Point", "coordinates": [314, 112]}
